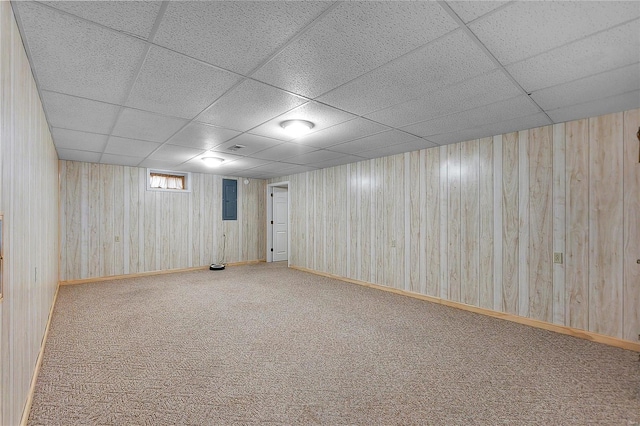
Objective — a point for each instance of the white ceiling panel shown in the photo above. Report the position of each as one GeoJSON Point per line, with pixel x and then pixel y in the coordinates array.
{"type": "Point", "coordinates": [297, 169]}
{"type": "Point", "coordinates": [244, 163]}
{"type": "Point", "coordinates": [482, 90]}
{"type": "Point", "coordinates": [248, 105]}
{"type": "Point", "coordinates": [133, 17]}
{"type": "Point", "coordinates": [162, 165]}
{"type": "Point", "coordinates": [500, 111]}
{"type": "Point", "coordinates": [270, 167]}
{"type": "Point", "coordinates": [354, 38]}
{"type": "Point", "coordinates": [314, 157]}
{"type": "Point", "coordinates": [252, 144]}
{"type": "Point", "coordinates": [172, 84]}
{"type": "Point", "coordinates": [142, 125]}
{"type": "Point", "coordinates": [379, 140]}
{"type": "Point", "coordinates": [72, 139]}
{"type": "Point", "coordinates": [529, 122]}
{"type": "Point", "coordinates": [470, 10]}
{"type": "Point", "coordinates": [74, 113]}
{"type": "Point", "coordinates": [175, 153]}
{"type": "Point", "coordinates": [130, 147]}
{"type": "Point", "coordinates": [283, 151]}
{"type": "Point", "coordinates": [590, 88]}
{"type": "Point", "coordinates": [449, 60]}
{"type": "Point", "coordinates": [217, 31]}
{"type": "Point", "coordinates": [202, 136]}
{"type": "Point", "coordinates": [321, 116]}
{"type": "Point", "coordinates": [395, 149]}
{"type": "Point", "coordinates": [343, 132]}
{"type": "Point", "coordinates": [75, 155]}
{"type": "Point", "coordinates": [76, 57]}
{"type": "Point", "coordinates": [608, 105]}
{"type": "Point", "coordinates": [605, 51]}
{"type": "Point", "coordinates": [121, 160]}
{"type": "Point", "coordinates": [345, 159]}
{"type": "Point", "coordinates": [525, 29]}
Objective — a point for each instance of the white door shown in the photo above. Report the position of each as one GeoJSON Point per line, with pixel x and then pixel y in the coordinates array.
{"type": "Point", "coordinates": [280, 224]}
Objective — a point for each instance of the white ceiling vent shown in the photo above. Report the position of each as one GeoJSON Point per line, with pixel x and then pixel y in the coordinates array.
{"type": "Point", "coordinates": [236, 147]}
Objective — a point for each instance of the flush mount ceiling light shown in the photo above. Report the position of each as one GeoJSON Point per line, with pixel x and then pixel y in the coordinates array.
{"type": "Point", "coordinates": [212, 161]}
{"type": "Point", "coordinates": [297, 127]}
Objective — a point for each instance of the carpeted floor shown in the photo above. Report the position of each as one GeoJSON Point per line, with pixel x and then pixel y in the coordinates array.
{"type": "Point", "coordinates": [265, 344]}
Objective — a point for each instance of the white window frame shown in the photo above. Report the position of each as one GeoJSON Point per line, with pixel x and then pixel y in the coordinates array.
{"type": "Point", "coordinates": [186, 175]}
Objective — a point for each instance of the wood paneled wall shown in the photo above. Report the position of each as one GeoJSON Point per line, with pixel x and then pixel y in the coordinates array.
{"type": "Point", "coordinates": [157, 230]}
{"type": "Point", "coordinates": [478, 222]}
{"type": "Point", "coordinates": [29, 201]}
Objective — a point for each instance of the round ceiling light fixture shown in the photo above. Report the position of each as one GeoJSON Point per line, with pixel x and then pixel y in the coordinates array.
{"type": "Point", "coordinates": [212, 161]}
{"type": "Point", "coordinates": [297, 127]}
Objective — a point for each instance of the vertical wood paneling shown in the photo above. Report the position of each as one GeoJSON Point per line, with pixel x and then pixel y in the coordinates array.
{"type": "Point", "coordinates": [541, 224]}
{"type": "Point", "coordinates": [605, 217]}
{"type": "Point", "coordinates": [132, 178]}
{"type": "Point", "coordinates": [559, 196]}
{"type": "Point", "coordinates": [454, 248]}
{"type": "Point", "coordinates": [486, 223]}
{"type": "Point", "coordinates": [29, 197]}
{"type": "Point", "coordinates": [398, 213]}
{"type": "Point", "coordinates": [93, 240]}
{"type": "Point", "coordinates": [118, 221]}
{"type": "Point", "coordinates": [497, 222]}
{"type": "Point", "coordinates": [443, 291]}
{"type": "Point", "coordinates": [470, 235]}
{"type": "Point", "coordinates": [415, 235]}
{"type": "Point", "coordinates": [381, 222]}
{"type": "Point", "coordinates": [631, 293]}
{"type": "Point", "coordinates": [365, 221]}
{"type": "Point", "coordinates": [510, 223]}
{"type": "Point", "coordinates": [432, 212]}
{"type": "Point", "coordinates": [523, 223]}
{"type": "Point", "coordinates": [577, 232]}
{"type": "Point", "coordinates": [353, 213]}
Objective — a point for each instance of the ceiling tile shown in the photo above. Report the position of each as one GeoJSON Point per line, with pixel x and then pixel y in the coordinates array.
{"type": "Point", "coordinates": [623, 102]}
{"type": "Point", "coordinates": [174, 153]}
{"type": "Point", "coordinates": [133, 17]}
{"type": "Point", "coordinates": [295, 169]}
{"type": "Point", "coordinates": [470, 10]}
{"type": "Point", "coordinates": [606, 51]}
{"type": "Point", "coordinates": [397, 149]}
{"type": "Point", "coordinates": [248, 105]}
{"type": "Point", "coordinates": [217, 31]}
{"type": "Point", "coordinates": [172, 84]}
{"type": "Point", "coordinates": [72, 139]}
{"type": "Point", "coordinates": [449, 60]}
{"type": "Point", "coordinates": [283, 151]}
{"type": "Point", "coordinates": [380, 140]}
{"type": "Point", "coordinates": [75, 155]}
{"type": "Point", "coordinates": [342, 132]}
{"type": "Point", "coordinates": [244, 163]}
{"type": "Point", "coordinates": [345, 159]}
{"type": "Point", "coordinates": [73, 113]}
{"type": "Point", "coordinates": [590, 88]}
{"type": "Point", "coordinates": [252, 144]}
{"type": "Point", "coordinates": [130, 147]}
{"type": "Point", "coordinates": [120, 160]}
{"type": "Point", "coordinates": [202, 136]}
{"type": "Point", "coordinates": [347, 42]}
{"type": "Point", "coordinates": [321, 116]}
{"type": "Point", "coordinates": [76, 57]}
{"type": "Point", "coordinates": [529, 122]}
{"type": "Point", "coordinates": [500, 111]}
{"type": "Point", "coordinates": [315, 157]}
{"type": "Point", "coordinates": [482, 90]}
{"type": "Point", "coordinates": [527, 28]}
{"type": "Point", "coordinates": [142, 125]}
{"type": "Point", "coordinates": [162, 164]}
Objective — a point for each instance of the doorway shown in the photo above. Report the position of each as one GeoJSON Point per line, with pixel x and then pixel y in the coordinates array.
{"type": "Point", "coordinates": [278, 222]}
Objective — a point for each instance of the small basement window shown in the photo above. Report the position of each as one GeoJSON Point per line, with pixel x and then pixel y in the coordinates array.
{"type": "Point", "coordinates": [164, 180]}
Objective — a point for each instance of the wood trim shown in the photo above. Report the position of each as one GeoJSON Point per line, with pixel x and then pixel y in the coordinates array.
{"type": "Point", "coordinates": [36, 371]}
{"type": "Point", "coordinates": [150, 273]}
{"type": "Point", "coordinates": [581, 334]}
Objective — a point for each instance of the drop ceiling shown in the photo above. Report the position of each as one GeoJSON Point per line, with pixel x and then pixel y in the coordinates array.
{"type": "Point", "coordinates": [162, 84]}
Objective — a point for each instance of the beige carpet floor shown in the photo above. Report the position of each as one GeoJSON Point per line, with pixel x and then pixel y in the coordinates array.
{"type": "Point", "coordinates": [263, 344]}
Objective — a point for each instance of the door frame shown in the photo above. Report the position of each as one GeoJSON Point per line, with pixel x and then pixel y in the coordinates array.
{"type": "Point", "coordinates": [270, 186]}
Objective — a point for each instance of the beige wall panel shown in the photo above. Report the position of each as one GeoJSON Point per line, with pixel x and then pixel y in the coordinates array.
{"type": "Point", "coordinates": [541, 224]}
{"type": "Point", "coordinates": [559, 196]}
{"type": "Point", "coordinates": [433, 245]}
{"type": "Point", "coordinates": [454, 249]}
{"type": "Point", "coordinates": [523, 224]}
{"type": "Point", "coordinates": [93, 241]}
{"type": "Point", "coordinates": [73, 237]}
{"type": "Point", "coordinates": [132, 178]}
{"type": "Point", "coordinates": [107, 208]}
{"type": "Point", "coordinates": [150, 199]}
{"type": "Point", "coordinates": [510, 218]}
{"type": "Point", "coordinates": [631, 293]}
{"type": "Point", "coordinates": [397, 194]}
{"type": "Point", "coordinates": [380, 224]}
{"type": "Point", "coordinates": [415, 222]}
{"type": "Point", "coordinates": [470, 226]}
{"type": "Point", "coordinates": [365, 221]}
{"type": "Point", "coordinates": [485, 281]}
{"type": "Point", "coordinates": [28, 187]}
{"type": "Point", "coordinates": [353, 212]}
{"type": "Point", "coordinates": [118, 220]}
{"type": "Point", "coordinates": [577, 231]}
{"type": "Point", "coordinates": [208, 221]}
{"type": "Point", "coordinates": [605, 217]}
